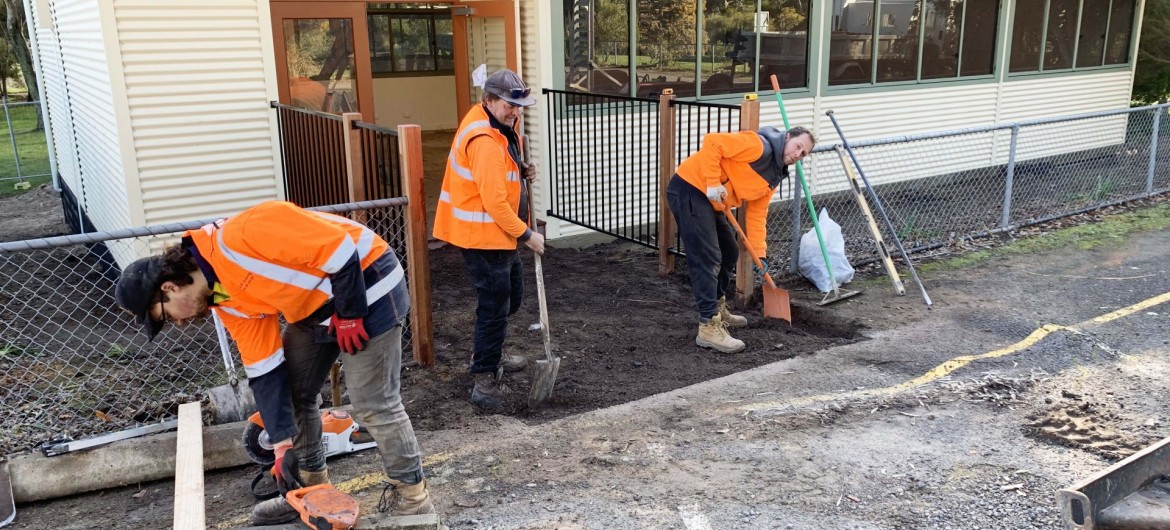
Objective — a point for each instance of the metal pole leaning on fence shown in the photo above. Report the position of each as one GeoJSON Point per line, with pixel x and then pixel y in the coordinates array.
{"type": "Point", "coordinates": [881, 209]}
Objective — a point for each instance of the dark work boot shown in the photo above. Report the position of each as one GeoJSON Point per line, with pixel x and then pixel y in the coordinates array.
{"type": "Point", "coordinates": [489, 389]}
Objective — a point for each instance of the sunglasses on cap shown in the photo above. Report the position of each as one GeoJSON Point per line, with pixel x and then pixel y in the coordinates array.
{"type": "Point", "coordinates": [521, 93]}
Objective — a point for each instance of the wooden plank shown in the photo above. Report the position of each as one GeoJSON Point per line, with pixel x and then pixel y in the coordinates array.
{"type": "Point", "coordinates": [666, 227]}
{"type": "Point", "coordinates": [189, 508]}
{"type": "Point", "coordinates": [417, 254]}
{"type": "Point", "coordinates": [749, 120]}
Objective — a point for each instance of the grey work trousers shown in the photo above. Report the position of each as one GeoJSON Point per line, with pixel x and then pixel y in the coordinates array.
{"type": "Point", "coordinates": [373, 379]}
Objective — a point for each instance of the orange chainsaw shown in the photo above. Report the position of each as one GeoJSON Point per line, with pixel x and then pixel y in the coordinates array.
{"type": "Point", "coordinates": [324, 507]}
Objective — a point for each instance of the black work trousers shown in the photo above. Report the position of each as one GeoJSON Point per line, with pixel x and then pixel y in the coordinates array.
{"type": "Point", "coordinates": [499, 287]}
{"type": "Point", "coordinates": [708, 241]}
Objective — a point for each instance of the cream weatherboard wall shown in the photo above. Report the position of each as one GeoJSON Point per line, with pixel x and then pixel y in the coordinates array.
{"type": "Point", "coordinates": [198, 78]}
{"type": "Point", "coordinates": [72, 44]}
{"type": "Point", "coordinates": [160, 110]}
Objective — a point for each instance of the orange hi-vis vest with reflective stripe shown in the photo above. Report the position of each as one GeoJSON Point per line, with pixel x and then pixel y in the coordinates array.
{"type": "Point", "coordinates": [276, 258]}
{"type": "Point", "coordinates": [726, 158]}
{"type": "Point", "coordinates": [481, 189]}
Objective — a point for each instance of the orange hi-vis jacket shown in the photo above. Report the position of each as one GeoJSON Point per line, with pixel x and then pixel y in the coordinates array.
{"type": "Point", "coordinates": [277, 258]}
{"type": "Point", "coordinates": [481, 189]}
{"type": "Point", "coordinates": [733, 160]}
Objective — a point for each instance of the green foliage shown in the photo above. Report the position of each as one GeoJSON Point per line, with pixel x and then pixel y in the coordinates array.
{"type": "Point", "coordinates": [1152, 78]}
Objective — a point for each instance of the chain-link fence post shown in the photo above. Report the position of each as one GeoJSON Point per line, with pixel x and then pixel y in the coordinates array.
{"type": "Point", "coordinates": [666, 228]}
{"type": "Point", "coordinates": [1153, 150]}
{"type": "Point", "coordinates": [1011, 173]}
{"type": "Point", "coordinates": [12, 137]}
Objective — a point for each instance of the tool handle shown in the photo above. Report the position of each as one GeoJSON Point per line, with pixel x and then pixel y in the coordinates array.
{"type": "Point", "coordinates": [545, 336]}
{"type": "Point", "coordinates": [748, 245]}
{"type": "Point", "coordinates": [878, 202]}
{"type": "Point", "coordinates": [883, 252]}
{"type": "Point", "coordinates": [812, 210]}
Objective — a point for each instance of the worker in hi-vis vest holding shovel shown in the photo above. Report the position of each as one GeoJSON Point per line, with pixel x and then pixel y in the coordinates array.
{"type": "Point", "coordinates": [482, 210]}
{"type": "Point", "coordinates": [727, 169]}
{"type": "Point", "coordinates": [340, 288]}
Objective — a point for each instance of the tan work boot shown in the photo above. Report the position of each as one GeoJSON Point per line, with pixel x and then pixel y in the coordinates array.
{"type": "Point", "coordinates": [713, 334]}
{"type": "Point", "coordinates": [277, 510]}
{"type": "Point", "coordinates": [732, 320]}
{"type": "Point", "coordinates": [407, 499]}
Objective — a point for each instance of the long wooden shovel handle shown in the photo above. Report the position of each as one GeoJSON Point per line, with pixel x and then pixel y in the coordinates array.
{"type": "Point", "coordinates": [883, 252]}
{"type": "Point", "coordinates": [744, 239]}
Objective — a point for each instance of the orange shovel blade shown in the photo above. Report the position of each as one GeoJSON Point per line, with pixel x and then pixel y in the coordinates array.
{"type": "Point", "coordinates": [776, 304]}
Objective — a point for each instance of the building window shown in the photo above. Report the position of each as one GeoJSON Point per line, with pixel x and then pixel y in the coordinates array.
{"type": "Point", "coordinates": [410, 39]}
{"type": "Point", "coordinates": [916, 40]}
{"type": "Point", "coordinates": [1046, 36]}
{"type": "Point", "coordinates": [669, 49]}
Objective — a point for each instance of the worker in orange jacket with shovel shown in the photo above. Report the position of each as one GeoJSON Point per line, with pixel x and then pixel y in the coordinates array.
{"type": "Point", "coordinates": [729, 168]}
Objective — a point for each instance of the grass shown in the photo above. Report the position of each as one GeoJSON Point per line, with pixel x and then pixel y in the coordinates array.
{"type": "Point", "coordinates": [30, 145]}
{"type": "Point", "coordinates": [1109, 231]}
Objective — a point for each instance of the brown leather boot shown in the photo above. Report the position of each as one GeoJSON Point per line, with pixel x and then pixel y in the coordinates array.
{"type": "Point", "coordinates": [713, 334]}
{"type": "Point", "coordinates": [409, 499]}
{"type": "Point", "coordinates": [732, 320]}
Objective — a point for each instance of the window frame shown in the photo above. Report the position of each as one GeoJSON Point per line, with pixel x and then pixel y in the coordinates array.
{"type": "Point", "coordinates": [1041, 71]}
{"type": "Point", "coordinates": [432, 12]}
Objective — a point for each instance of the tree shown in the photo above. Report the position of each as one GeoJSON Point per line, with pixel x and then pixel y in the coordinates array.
{"type": "Point", "coordinates": [1152, 79]}
{"type": "Point", "coordinates": [15, 33]}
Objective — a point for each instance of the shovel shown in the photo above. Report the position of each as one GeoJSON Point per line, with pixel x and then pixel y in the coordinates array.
{"type": "Point", "coordinates": [776, 304]}
{"type": "Point", "coordinates": [545, 376]}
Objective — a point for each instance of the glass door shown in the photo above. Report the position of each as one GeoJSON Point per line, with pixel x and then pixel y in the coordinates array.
{"type": "Point", "coordinates": [318, 67]}
{"type": "Point", "coordinates": [484, 34]}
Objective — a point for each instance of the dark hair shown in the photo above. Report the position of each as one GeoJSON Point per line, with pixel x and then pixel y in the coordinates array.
{"type": "Point", "coordinates": [489, 97]}
{"type": "Point", "coordinates": [798, 130]}
{"type": "Point", "coordinates": [177, 266]}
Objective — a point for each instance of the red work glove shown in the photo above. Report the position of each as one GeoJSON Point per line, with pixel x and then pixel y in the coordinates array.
{"type": "Point", "coordinates": [286, 469]}
{"type": "Point", "coordinates": [351, 333]}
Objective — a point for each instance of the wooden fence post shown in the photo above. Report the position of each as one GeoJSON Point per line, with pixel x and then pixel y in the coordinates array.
{"type": "Point", "coordinates": [749, 120]}
{"type": "Point", "coordinates": [352, 141]}
{"type": "Point", "coordinates": [418, 267]}
{"type": "Point", "coordinates": [666, 226]}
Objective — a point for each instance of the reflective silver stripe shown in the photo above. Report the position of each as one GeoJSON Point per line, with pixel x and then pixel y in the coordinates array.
{"type": "Point", "coordinates": [275, 272]}
{"type": "Point", "coordinates": [513, 176]}
{"type": "Point", "coordinates": [463, 171]}
{"type": "Point", "coordinates": [232, 312]}
{"type": "Point", "coordinates": [382, 288]}
{"type": "Point", "coordinates": [365, 241]}
{"type": "Point", "coordinates": [266, 365]}
{"type": "Point", "coordinates": [465, 215]}
{"type": "Point", "coordinates": [340, 257]}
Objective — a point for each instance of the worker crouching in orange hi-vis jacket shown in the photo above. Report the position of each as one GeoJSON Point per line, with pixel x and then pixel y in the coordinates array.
{"type": "Point", "coordinates": [340, 288]}
{"type": "Point", "coordinates": [727, 169]}
{"type": "Point", "coordinates": [483, 210]}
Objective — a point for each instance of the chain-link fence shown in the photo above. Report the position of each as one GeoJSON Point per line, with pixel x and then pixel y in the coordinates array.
{"type": "Point", "coordinates": [24, 156]}
{"type": "Point", "coordinates": [938, 188]}
{"type": "Point", "coordinates": [73, 363]}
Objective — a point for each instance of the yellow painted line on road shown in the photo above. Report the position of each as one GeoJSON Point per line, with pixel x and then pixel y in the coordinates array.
{"type": "Point", "coordinates": [951, 365]}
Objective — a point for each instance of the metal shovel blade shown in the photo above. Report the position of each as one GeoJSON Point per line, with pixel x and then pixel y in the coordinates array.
{"type": "Point", "coordinates": [543, 381]}
{"type": "Point", "coordinates": [776, 303]}
{"type": "Point", "coordinates": [7, 501]}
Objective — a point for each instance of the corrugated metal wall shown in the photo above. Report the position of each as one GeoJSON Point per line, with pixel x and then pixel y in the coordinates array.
{"type": "Point", "coordinates": [81, 108]}
{"type": "Point", "coordinates": [198, 98]}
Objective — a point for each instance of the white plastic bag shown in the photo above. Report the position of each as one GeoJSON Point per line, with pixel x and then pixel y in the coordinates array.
{"type": "Point", "coordinates": [812, 263]}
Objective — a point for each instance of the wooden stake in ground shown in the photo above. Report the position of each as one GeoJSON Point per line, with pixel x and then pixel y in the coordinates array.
{"type": "Point", "coordinates": [189, 512]}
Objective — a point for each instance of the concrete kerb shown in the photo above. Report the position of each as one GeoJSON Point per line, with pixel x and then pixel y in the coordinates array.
{"type": "Point", "coordinates": [36, 477]}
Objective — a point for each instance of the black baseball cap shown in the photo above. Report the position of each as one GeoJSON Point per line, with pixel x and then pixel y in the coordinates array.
{"type": "Point", "coordinates": [135, 292]}
{"type": "Point", "coordinates": [509, 87]}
